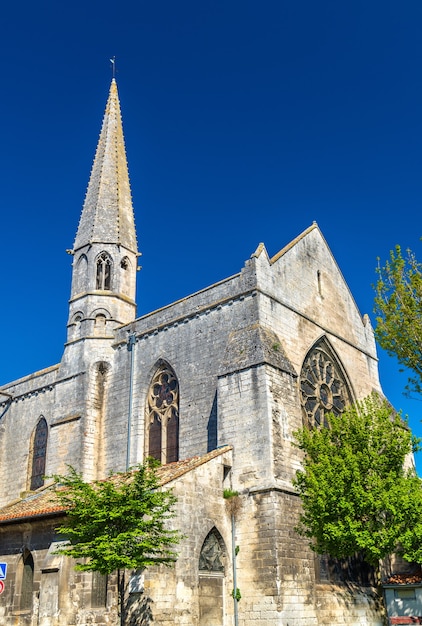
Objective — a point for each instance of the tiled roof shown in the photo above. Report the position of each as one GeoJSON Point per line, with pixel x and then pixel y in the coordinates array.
{"type": "Point", "coordinates": [405, 578]}
{"type": "Point", "coordinates": [43, 502]}
{"type": "Point", "coordinates": [37, 503]}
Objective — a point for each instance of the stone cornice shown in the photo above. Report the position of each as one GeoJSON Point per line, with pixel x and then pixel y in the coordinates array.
{"type": "Point", "coordinates": [41, 389]}
{"type": "Point", "coordinates": [228, 301]}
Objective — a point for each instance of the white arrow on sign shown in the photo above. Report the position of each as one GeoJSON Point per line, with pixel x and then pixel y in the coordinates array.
{"type": "Point", "coordinates": [3, 570]}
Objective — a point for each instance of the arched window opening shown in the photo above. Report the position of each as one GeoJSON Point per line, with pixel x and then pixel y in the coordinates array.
{"type": "Point", "coordinates": [126, 276]}
{"type": "Point", "coordinates": [323, 385]}
{"type": "Point", "coordinates": [75, 326]}
{"type": "Point", "coordinates": [163, 416]}
{"type": "Point", "coordinates": [103, 280]}
{"type": "Point", "coordinates": [38, 455]}
{"type": "Point", "coordinates": [100, 325]}
{"type": "Point", "coordinates": [80, 274]}
{"type": "Point", "coordinates": [27, 582]}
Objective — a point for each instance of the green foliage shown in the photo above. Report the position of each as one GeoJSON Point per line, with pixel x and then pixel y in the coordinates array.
{"type": "Point", "coordinates": [356, 494]}
{"type": "Point", "coordinates": [236, 595]}
{"type": "Point", "coordinates": [229, 493]}
{"type": "Point", "coordinates": [119, 522]}
{"type": "Point", "coordinates": [398, 309]}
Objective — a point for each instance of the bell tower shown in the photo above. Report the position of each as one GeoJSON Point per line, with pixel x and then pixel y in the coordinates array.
{"type": "Point", "coordinates": [105, 249]}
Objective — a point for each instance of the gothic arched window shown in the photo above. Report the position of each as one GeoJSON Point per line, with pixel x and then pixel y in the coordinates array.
{"type": "Point", "coordinates": [79, 274]}
{"type": "Point", "coordinates": [103, 277]}
{"type": "Point", "coordinates": [211, 558]}
{"type": "Point", "coordinates": [323, 385]}
{"type": "Point", "coordinates": [38, 454]}
{"type": "Point", "coordinates": [163, 416]}
{"type": "Point", "coordinates": [27, 584]}
{"type": "Point", "coordinates": [126, 276]}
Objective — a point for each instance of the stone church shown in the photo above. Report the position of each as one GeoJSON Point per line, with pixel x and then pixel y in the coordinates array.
{"type": "Point", "coordinates": [213, 385]}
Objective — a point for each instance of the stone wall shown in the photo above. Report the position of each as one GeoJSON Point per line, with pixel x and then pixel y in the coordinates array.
{"type": "Point", "coordinates": [237, 349]}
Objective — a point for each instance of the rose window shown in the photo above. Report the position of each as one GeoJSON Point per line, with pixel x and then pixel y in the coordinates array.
{"type": "Point", "coordinates": [323, 387]}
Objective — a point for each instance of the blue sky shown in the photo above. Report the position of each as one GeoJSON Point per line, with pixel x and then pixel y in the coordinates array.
{"type": "Point", "coordinates": [244, 122]}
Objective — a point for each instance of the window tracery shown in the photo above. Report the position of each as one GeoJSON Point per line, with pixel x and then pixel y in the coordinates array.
{"type": "Point", "coordinates": [323, 387]}
{"type": "Point", "coordinates": [103, 277]}
{"type": "Point", "coordinates": [163, 416]}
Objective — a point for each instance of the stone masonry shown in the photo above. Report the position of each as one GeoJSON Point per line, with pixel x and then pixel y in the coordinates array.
{"type": "Point", "coordinates": [237, 351]}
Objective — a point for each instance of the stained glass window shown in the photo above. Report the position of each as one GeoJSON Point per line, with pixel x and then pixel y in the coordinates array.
{"type": "Point", "coordinates": [39, 453]}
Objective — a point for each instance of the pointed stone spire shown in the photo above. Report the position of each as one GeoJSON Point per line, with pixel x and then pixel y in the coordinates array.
{"type": "Point", "coordinates": [107, 215]}
{"type": "Point", "coordinates": [104, 257]}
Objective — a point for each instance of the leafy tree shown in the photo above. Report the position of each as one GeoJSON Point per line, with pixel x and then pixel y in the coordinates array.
{"type": "Point", "coordinates": [118, 523]}
{"type": "Point", "coordinates": [357, 495]}
{"type": "Point", "coordinates": [398, 308]}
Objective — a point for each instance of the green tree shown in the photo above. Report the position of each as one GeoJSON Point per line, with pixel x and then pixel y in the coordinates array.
{"type": "Point", "coordinates": [357, 495]}
{"type": "Point", "coordinates": [398, 309]}
{"type": "Point", "coordinates": [118, 523]}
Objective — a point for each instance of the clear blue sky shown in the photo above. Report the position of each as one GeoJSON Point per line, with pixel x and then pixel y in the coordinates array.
{"type": "Point", "coordinates": [244, 122]}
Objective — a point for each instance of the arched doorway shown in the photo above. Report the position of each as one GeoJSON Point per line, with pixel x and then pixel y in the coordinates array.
{"type": "Point", "coordinates": [211, 580]}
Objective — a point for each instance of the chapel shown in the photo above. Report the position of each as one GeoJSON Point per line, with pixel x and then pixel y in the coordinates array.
{"type": "Point", "coordinates": [213, 386]}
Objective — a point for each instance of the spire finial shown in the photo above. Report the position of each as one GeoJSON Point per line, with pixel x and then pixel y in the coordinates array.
{"type": "Point", "coordinates": [113, 66]}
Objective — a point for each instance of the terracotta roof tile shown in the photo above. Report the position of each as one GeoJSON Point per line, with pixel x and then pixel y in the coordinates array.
{"type": "Point", "coordinates": [41, 502]}
{"type": "Point", "coordinates": [44, 503]}
{"type": "Point", "coordinates": [405, 578]}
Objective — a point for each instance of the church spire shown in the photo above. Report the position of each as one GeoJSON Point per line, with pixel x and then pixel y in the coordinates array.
{"type": "Point", "coordinates": [107, 215]}
{"type": "Point", "coordinates": [105, 253]}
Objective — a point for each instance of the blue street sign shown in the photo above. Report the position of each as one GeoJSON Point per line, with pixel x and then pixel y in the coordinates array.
{"type": "Point", "coordinates": [3, 570]}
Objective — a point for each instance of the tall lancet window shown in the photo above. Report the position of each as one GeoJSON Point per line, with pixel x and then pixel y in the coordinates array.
{"type": "Point", "coordinates": [103, 279]}
{"type": "Point", "coordinates": [162, 436]}
{"type": "Point", "coordinates": [38, 454]}
{"type": "Point", "coordinates": [323, 385]}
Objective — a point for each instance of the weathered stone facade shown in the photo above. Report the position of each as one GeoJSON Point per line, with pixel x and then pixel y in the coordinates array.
{"type": "Point", "coordinates": [236, 352]}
